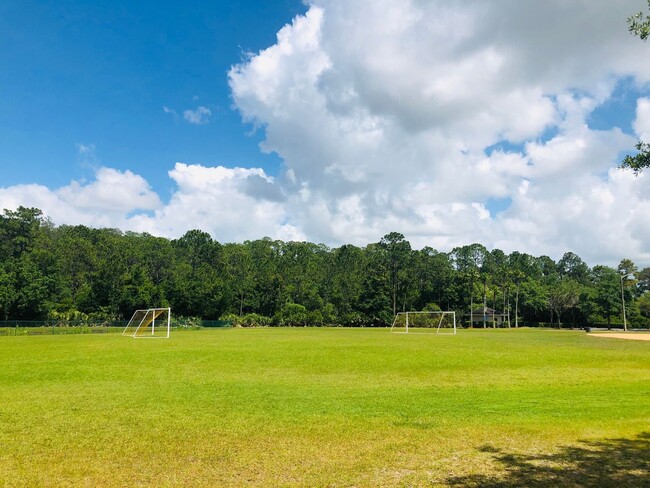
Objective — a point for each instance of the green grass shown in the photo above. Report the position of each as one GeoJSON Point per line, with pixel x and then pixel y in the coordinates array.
{"type": "Point", "coordinates": [324, 407]}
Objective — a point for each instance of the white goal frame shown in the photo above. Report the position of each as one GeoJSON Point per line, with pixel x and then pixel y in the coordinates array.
{"type": "Point", "coordinates": [441, 313]}
{"type": "Point", "coordinates": [143, 318]}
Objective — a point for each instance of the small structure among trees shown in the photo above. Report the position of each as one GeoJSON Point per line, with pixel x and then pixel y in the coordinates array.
{"type": "Point", "coordinates": [487, 317]}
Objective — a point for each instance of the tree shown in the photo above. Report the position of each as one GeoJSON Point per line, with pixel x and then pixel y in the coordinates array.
{"type": "Point", "coordinates": [18, 230]}
{"type": "Point", "coordinates": [469, 260]}
{"type": "Point", "coordinates": [301, 268]}
{"type": "Point", "coordinates": [521, 267]}
{"type": "Point", "coordinates": [503, 276]}
{"type": "Point", "coordinates": [534, 298]}
{"type": "Point", "coordinates": [607, 291]}
{"type": "Point", "coordinates": [106, 273]}
{"type": "Point", "coordinates": [644, 280]}
{"type": "Point", "coordinates": [239, 269]}
{"type": "Point", "coordinates": [375, 298]}
{"type": "Point", "coordinates": [346, 284]}
{"type": "Point", "coordinates": [197, 285]}
{"type": "Point", "coordinates": [548, 272]}
{"type": "Point", "coordinates": [563, 296]}
{"type": "Point", "coordinates": [397, 254]}
{"type": "Point", "coordinates": [572, 266]}
{"type": "Point", "coordinates": [8, 293]}
{"type": "Point", "coordinates": [433, 273]}
{"type": "Point", "coordinates": [266, 294]}
{"type": "Point", "coordinates": [639, 25]}
{"type": "Point", "coordinates": [644, 307]}
{"type": "Point", "coordinates": [75, 265]}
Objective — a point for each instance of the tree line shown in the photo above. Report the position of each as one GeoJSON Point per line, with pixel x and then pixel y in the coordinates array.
{"type": "Point", "coordinates": [81, 273]}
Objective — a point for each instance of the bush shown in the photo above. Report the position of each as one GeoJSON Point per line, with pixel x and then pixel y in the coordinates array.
{"type": "Point", "coordinates": [66, 316]}
{"type": "Point", "coordinates": [254, 320]}
{"type": "Point", "coordinates": [292, 315]}
{"type": "Point", "coordinates": [186, 322]}
{"type": "Point", "coordinates": [234, 319]}
{"type": "Point", "coordinates": [352, 319]}
{"type": "Point", "coordinates": [248, 320]}
{"type": "Point", "coordinates": [315, 318]}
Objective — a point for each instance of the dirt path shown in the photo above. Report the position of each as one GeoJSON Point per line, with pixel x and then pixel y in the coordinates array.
{"type": "Point", "coordinates": [635, 336]}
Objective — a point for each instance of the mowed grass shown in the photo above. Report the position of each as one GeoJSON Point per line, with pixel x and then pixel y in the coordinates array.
{"type": "Point", "coordinates": [324, 407]}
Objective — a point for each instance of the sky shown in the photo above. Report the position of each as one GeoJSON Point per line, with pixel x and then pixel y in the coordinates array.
{"type": "Point", "coordinates": [331, 121]}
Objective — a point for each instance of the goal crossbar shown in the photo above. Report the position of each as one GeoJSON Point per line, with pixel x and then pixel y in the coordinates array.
{"type": "Point", "coordinates": [143, 324]}
{"type": "Point", "coordinates": [408, 318]}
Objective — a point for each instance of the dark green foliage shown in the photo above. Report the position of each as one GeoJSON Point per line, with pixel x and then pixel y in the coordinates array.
{"type": "Point", "coordinates": [105, 274]}
{"type": "Point", "coordinates": [607, 292]}
{"type": "Point", "coordinates": [396, 254]}
{"type": "Point", "coordinates": [292, 315]}
{"type": "Point", "coordinates": [571, 266]}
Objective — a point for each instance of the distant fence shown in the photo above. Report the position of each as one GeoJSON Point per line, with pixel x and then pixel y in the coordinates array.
{"type": "Point", "coordinates": [216, 323]}
{"type": "Point", "coordinates": [45, 327]}
{"type": "Point", "coordinates": [58, 327]}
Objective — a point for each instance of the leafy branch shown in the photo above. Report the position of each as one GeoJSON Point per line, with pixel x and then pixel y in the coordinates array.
{"type": "Point", "coordinates": [639, 161]}
{"type": "Point", "coordinates": [639, 25]}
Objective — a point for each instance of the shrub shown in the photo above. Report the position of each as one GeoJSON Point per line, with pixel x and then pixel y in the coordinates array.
{"type": "Point", "coordinates": [186, 322]}
{"type": "Point", "coordinates": [248, 320]}
{"type": "Point", "coordinates": [292, 315]}
{"type": "Point", "coordinates": [315, 318]}
{"type": "Point", "coordinates": [254, 320]}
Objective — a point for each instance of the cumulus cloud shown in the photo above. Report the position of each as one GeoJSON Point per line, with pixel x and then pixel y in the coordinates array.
{"type": "Point", "coordinates": [199, 116]}
{"type": "Point", "coordinates": [104, 202]}
{"type": "Point", "coordinates": [112, 191]}
{"type": "Point", "coordinates": [218, 200]}
{"type": "Point", "coordinates": [233, 204]}
{"type": "Point", "coordinates": [414, 116]}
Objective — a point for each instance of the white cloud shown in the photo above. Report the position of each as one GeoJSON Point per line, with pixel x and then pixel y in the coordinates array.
{"type": "Point", "coordinates": [199, 116]}
{"type": "Point", "coordinates": [642, 121]}
{"type": "Point", "coordinates": [105, 202]}
{"type": "Point", "coordinates": [384, 112]}
{"type": "Point", "coordinates": [233, 204]}
{"type": "Point", "coordinates": [112, 191]}
{"type": "Point", "coordinates": [412, 116]}
{"type": "Point", "coordinates": [218, 200]}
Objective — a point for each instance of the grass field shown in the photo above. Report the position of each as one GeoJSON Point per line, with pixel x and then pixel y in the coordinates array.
{"type": "Point", "coordinates": [325, 407]}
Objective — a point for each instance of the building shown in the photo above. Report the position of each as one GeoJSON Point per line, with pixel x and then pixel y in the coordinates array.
{"type": "Point", "coordinates": [487, 316]}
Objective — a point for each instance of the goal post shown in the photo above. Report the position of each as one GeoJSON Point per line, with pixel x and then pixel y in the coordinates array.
{"type": "Point", "coordinates": [443, 322]}
{"type": "Point", "coordinates": [150, 323]}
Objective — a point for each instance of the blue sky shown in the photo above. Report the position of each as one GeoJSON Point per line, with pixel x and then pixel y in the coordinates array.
{"type": "Point", "coordinates": [332, 121]}
{"type": "Point", "coordinates": [99, 74]}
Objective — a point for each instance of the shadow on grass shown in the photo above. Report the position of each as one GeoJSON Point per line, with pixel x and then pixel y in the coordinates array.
{"type": "Point", "coordinates": [607, 463]}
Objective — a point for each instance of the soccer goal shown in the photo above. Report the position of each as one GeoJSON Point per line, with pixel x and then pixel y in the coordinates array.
{"type": "Point", "coordinates": [442, 322]}
{"type": "Point", "coordinates": [150, 323]}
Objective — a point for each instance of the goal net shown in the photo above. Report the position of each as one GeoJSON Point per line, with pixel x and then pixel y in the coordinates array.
{"type": "Point", "coordinates": [149, 323]}
{"type": "Point", "coordinates": [440, 322]}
